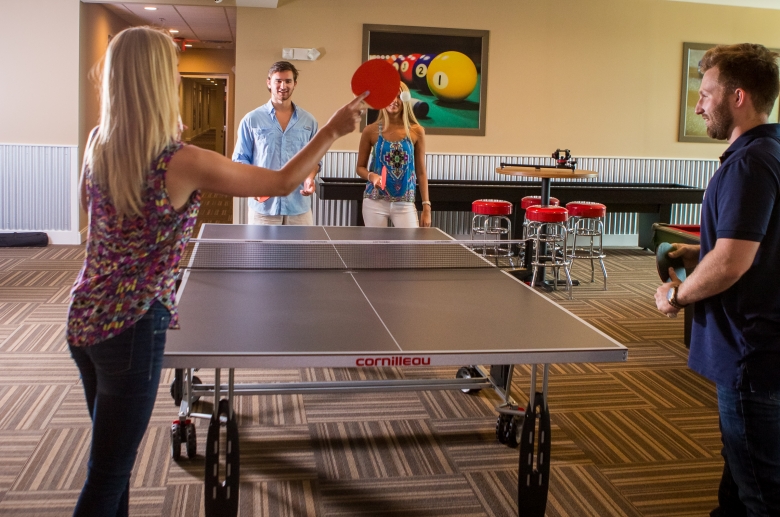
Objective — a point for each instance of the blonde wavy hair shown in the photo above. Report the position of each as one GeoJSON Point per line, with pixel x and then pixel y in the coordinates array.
{"type": "Point", "coordinates": [408, 114]}
{"type": "Point", "coordinates": [139, 114]}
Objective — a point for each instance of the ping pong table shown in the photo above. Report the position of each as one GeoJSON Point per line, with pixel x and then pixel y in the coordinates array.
{"type": "Point", "coordinates": [241, 309]}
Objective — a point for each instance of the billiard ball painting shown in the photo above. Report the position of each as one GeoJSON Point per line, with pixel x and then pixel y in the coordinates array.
{"type": "Point", "coordinates": [445, 70]}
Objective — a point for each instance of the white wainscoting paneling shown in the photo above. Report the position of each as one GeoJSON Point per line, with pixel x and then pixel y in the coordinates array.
{"type": "Point", "coordinates": [39, 191]}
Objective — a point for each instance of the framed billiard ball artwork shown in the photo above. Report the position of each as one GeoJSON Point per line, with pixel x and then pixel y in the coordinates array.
{"type": "Point", "coordinates": [445, 70]}
{"type": "Point", "coordinates": [692, 127]}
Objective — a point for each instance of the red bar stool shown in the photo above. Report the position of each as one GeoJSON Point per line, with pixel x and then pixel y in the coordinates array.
{"type": "Point", "coordinates": [531, 201]}
{"type": "Point", "coordinates": [587, 222]}
{"type": "Point", "coordinates": [491, 221]}
{"type": "Point", "coordinates": [548, 230]}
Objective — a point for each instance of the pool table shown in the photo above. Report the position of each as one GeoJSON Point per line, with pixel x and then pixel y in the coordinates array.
{"type": "Point", "coordinates": [672, 233]}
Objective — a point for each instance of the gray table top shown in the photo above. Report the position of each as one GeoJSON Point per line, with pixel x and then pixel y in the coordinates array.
{"type": "Point", "coordinates": [305, 318]}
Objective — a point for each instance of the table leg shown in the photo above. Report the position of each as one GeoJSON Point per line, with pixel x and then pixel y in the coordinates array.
{"type": "Point", "coordinates": [221, 497]}
{"type": "Point", "coordinates": [533, 480]}
{"type": "Point", "coordinates": [545, 191]}
{"type": "Point", "coordinates": [359, 220]}
{"type": "Point", "coordinates": [543, 245]}
{"type": "Point", "coordinates": [645, 221]}
{"type": "Point", "coordinates": [688, 313]}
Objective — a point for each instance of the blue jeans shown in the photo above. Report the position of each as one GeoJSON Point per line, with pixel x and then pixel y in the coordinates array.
{"type": "Point", "coordinates": [750, 430]}
{"type": "Point", "coordinates": [121, 377]}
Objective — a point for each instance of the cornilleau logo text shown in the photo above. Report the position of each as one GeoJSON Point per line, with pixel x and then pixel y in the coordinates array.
{"type": "Point", "coordinates": [396, 360]}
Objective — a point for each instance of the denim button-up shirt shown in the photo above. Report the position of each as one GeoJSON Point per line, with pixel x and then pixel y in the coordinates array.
{"type": "Point", "coordinates": [262, 142]}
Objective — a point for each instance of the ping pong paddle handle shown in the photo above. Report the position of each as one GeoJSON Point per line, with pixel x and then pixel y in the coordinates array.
{"type": "Point", "coordinates": [383, 183]}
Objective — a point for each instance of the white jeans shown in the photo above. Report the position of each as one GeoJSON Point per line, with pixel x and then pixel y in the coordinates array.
{"type": "Point", "coordinates": [304, 219]}
{"type": "Point", "coordinates": [377, 212]}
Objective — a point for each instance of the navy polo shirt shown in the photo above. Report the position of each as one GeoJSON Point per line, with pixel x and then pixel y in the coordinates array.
{"type": "Point", "coordinates": [736, 334]}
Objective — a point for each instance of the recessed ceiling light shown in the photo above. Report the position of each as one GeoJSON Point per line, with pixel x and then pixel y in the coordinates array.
{"type": "Point", "coordinates": [188, 45]}
{"type": "Point", "coordinates": [150, 8]}
{"type": "Point", "coordinates": [173, 31]}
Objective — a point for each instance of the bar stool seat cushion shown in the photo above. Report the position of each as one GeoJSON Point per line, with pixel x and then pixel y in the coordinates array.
{"type": "Point", "coordinates": [536, 200]}
{"type": "Point", "coordinates": [492, 207]}
{"type": "Point", "coordinates": [547, 214]}
{"type": "Point", "coordinates": [586, 209]}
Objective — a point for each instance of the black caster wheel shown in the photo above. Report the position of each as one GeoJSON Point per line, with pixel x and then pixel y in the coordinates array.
{"type": "Point", "coordinates": [175, 442]}
{"type": "Point", "coordinates": [191, 440]}
{"type": "Point", "coordinates": [467, 372]}
{"type": "Point", "coordinates": [512, 431]}
{"type": "Point", "coordinates": [176, 387]}
{"type": "Point", "coordinates": [501, 423]}
{"type": "Point", "coordinates": [177, 390]}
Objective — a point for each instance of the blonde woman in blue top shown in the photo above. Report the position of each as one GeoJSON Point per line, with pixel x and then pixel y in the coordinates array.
{"type": "Point", "coordinates": [395, 142]}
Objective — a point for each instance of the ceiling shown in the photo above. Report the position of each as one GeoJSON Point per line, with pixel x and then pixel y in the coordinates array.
{"type": "Point", "coordinates": [199, 26]}
{"type": "Point", "coordinates": [763, 4]}
{"type": "Point", "coordinates": [225, 3]}
{"type": "Point", "coordinates": [209, 25]}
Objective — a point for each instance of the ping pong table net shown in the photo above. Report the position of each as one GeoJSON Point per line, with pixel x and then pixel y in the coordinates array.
{"type": "Point", "coordinates": [343, 255]}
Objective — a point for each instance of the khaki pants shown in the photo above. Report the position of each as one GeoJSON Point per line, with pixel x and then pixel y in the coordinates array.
{"type": "Point", "coordinates": [304, 219]}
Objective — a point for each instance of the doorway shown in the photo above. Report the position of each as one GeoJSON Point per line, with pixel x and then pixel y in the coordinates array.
{"type": "Point", "coordinates": [203, 107]}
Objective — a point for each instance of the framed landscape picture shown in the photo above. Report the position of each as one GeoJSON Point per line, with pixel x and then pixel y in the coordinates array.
{"type": "Point", "coordinates": [445, 69]}
{"type": "Point", "coordinates": [692, 128]}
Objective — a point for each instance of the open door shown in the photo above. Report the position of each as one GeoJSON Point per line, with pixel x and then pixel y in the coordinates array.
{"type": "Point", "coordinates": [204, 114]}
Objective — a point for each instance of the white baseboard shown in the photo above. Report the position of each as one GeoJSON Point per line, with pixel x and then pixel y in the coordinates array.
{"type": "Point", "coordinates": [621, 240]}
{"type": "Point", "coordinates": [64, 237]}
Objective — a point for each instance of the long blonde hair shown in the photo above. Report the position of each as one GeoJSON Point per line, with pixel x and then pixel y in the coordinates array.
{"type": "Point", "coordinates": [408, 114]}
{"type": "Point", "coordinates": [139, 113]}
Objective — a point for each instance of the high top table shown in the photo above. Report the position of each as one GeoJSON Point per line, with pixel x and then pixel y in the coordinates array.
{"type": "Point", "coordinates": [546, 174]}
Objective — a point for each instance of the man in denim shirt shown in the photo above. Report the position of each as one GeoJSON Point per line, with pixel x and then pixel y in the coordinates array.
{"type": "Point", "coordinates": [736, 284]}
{"type": "Point", "coordinates": [268, 137]}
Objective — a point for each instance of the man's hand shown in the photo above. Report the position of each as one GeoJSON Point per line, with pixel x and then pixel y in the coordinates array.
{"type": "Point", "coordinates": [688, 252]}
{"type": "Point", "coordinates": [309, 186]}
{"type": "Point", "coordinates": [661, 301]}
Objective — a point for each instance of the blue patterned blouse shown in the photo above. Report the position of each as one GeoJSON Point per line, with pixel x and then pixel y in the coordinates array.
{"type": "Point", "coordinates": [398, 157]}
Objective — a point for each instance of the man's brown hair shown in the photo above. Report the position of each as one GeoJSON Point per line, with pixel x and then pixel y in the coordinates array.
{"type": "Point", "coordinates": [748, 66]}
{"type": "Point", "coordinates": [283, 66]}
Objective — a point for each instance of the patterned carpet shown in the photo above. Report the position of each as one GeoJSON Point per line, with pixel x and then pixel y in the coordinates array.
{"type": "Point", "coordinates": [629, 439]}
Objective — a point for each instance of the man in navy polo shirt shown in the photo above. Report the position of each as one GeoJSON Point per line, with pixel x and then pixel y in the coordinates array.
{"type": "Point", "coordinates": [736, 284]}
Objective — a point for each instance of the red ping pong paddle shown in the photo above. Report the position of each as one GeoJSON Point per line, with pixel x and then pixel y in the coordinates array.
{"type": "Point", "coordinates": [384, 178]}
{"type": "Point", "coordinates": [381, 79]}
{"type": "Point", "coordinates": [262, 199]}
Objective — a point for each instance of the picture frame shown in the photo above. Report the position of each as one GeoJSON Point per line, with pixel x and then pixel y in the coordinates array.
{"type": "Point", "coordinates": [692, 127]}
{"type": "Point", "coordinates": [457, 104]}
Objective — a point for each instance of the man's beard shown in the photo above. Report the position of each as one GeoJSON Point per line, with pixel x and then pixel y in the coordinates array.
{"type": "Point", "coordinates": [721, 122]}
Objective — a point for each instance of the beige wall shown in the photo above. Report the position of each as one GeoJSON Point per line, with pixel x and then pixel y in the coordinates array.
{"type": "Point", "coordinates": [39, 56]}
{"type": "Point", "coordinates": [98, 24]}
{"type": "Point", "coordinates": [600, 77]}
